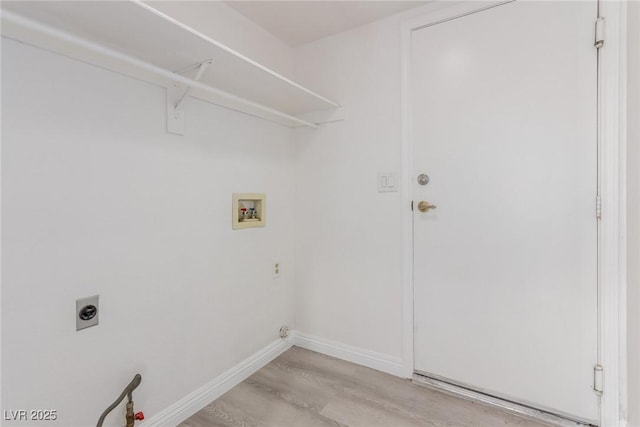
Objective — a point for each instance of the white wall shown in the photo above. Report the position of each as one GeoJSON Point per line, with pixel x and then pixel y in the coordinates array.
{"type": "Point", "coordinates": [99, 199]}
{"type": "Point", "coordinates": [348, 247]}
{"type": "Point", "coordinates": [349, 263]}
{"type": "Point", "coordinates": [633, 212]}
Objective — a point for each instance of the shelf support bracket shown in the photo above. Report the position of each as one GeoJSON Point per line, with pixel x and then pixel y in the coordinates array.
{"type": "Point", "coordinates": [202, 67]}
{"type": "Point", "coordinates": [176, 95]}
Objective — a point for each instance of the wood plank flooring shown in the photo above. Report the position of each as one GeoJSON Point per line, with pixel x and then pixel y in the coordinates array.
{"type": "Point", "coordinates": [302, 388]}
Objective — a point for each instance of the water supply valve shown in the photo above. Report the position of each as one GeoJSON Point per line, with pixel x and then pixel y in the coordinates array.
{"type": "Point", "coordinates": [139, 416]}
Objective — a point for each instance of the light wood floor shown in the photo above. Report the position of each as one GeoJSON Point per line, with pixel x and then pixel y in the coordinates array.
{"type": "Point", "coordinates": [302, 388]}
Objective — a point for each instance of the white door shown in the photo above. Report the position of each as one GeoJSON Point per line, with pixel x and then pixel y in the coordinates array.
{"type": "Point", "coordinates": [503, 123]}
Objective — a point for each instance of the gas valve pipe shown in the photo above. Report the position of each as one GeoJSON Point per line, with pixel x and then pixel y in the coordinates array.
{"type": "Point", "coordinates": [128, 390]}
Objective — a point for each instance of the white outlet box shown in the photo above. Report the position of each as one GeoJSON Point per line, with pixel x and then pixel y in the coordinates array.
{"type": "Point", "coordinates": [277, 268]}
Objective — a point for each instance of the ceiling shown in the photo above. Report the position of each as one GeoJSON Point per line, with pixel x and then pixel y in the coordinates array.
{"type": "Point", "coordinates": [300, 22]}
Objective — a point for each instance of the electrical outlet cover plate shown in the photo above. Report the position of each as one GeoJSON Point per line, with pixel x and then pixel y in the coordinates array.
{"type": "Point", "coordinates": [87, 312]}
{"type": "Point", "coordinates": [276, 269]}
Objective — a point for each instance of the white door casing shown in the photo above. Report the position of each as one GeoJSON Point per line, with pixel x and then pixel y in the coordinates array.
{"type": "Point", "coordinates": [505, 269]}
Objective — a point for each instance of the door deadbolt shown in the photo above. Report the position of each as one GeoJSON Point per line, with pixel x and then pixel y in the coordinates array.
{"type": "Point", "coordinates": [88, 312]}
{"type": "Point", "coordinates": [424, 206]}
{"type": "Point", "coordinates": [423, 179]}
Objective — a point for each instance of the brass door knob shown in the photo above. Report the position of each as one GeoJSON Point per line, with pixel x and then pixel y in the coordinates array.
{"type": "Point", "coordinates": [424, 206]}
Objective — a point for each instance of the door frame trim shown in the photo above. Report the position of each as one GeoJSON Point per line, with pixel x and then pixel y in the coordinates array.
{"type": "Point", "coordinates": [612, 184]}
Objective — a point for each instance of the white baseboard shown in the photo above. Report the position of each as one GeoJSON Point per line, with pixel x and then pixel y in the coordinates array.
{"type": "Point", "coordinates": [193, 402]}
{"type": "Point", "coordinates": [359, 356]}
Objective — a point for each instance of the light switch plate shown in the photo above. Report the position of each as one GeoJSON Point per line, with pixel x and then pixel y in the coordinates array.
{"type": "Point", "coordinates": [387, 182]}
